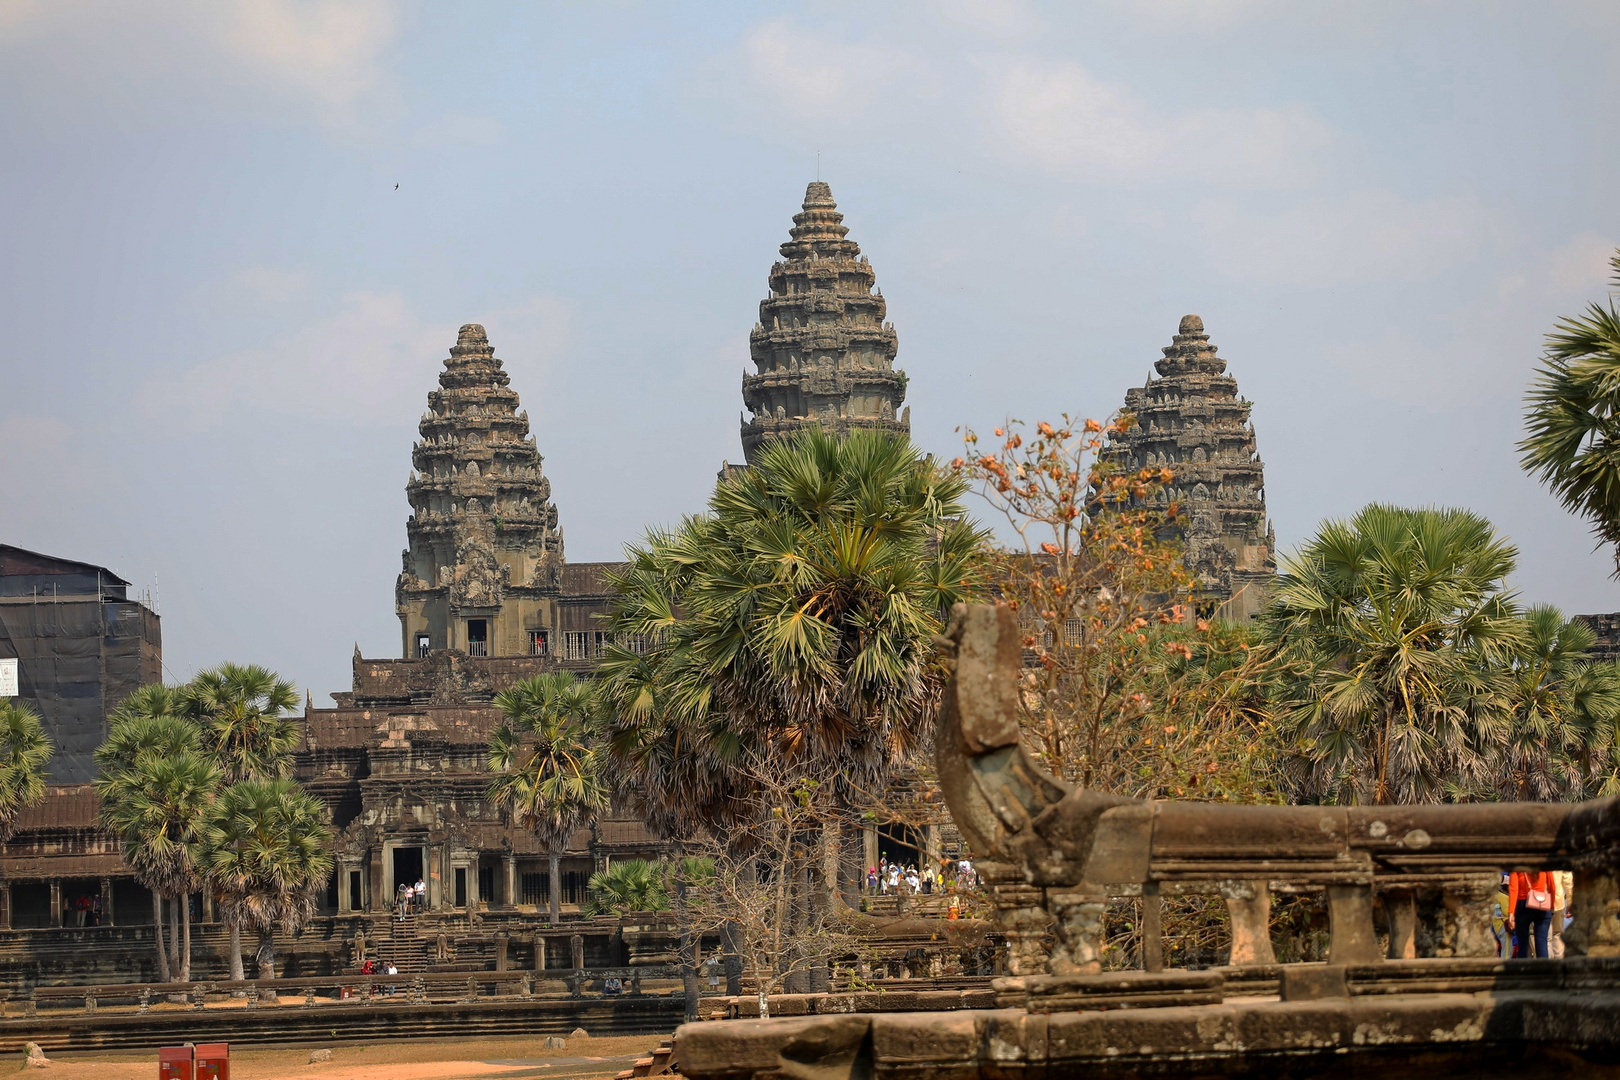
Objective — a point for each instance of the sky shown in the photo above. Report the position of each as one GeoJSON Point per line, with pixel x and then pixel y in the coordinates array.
{"type": "Point", "coordinates": [236, 242]}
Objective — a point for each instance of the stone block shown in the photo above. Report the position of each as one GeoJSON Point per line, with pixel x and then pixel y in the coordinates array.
{"type": "Point", "coordinates": [1314, 982]}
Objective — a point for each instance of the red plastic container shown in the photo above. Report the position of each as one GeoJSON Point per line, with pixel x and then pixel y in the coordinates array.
{"type": "Point", "coordinates": [213, 1061]}
{"type": "Point", "coordinates": [175, 1063]}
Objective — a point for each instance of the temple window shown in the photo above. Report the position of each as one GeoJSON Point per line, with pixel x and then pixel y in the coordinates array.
{"type": "Point", "coordinates": [583, 644]}
{"type": "Point", "coordinates": [477, 637]}
{"type": "Point", "coordinates": [424, 645]}
{"type": "Point", "coordinates": [539, 643]}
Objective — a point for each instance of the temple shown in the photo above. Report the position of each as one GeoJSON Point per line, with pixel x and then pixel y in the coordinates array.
{"type": "Point", "coordinates": [1191, 421]}
{"type": "Point", "coordinates": [822, 352]}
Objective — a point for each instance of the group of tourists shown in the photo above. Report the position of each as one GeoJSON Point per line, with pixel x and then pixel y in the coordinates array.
{"type": "Point", "coordinates": [1532, 911]}
{"type": "Point", "coordinates": [412, 899]}
{"type": "Point", "coordinates": [905, 879]}
{"type": "Point", "coordinates": [85, 910]}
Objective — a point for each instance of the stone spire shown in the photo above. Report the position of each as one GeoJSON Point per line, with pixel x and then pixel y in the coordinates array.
{"type": "Point", "coordinates": [483, 522]}
{"type": "Point", "coordinates": [1191, 421]}
{"type": "Point", "coordinates": [822, 351]}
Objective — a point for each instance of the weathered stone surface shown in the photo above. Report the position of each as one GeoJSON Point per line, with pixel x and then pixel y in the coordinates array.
{"type": "Point", "coordinates": [822, 353]}
{"type": "Point", "coordinates": [1191, 421]}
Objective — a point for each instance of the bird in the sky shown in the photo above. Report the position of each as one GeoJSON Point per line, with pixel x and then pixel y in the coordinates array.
{"type": "Point", "coordinates": [396, 187]}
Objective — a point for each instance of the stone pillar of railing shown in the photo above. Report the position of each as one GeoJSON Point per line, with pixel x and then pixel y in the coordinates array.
{"type": "Point", "coordinates": [1020, 915]}
{"type": "Point", "coordinates": [106, 901]}
{"type": "Point", "coordinates": [1152, 927]}
{"type": "Point", "coordinates": [253, 995]}
{"type": "Point", "coordinates": [1078, 919]}
{"type": "Point", "coordinates": [90, 1001]}
{"type": "Point", "coordinates": [145, 1000]}
{"type": "Point", "coordinates": [1596, 900]}
{"type": "Point", "coordinates": [1400, 912]}
{"type": "Point", "coordinates": [1467, 904]}
{"type": "Point", "coordinates": [502, 944]}
{"type": "Point", "coordinates": [56, 902]}
{"type": "Point", "coordinates": [576, 949]}
{"type": "Point", "coordinates": [1249, 905]}
{"type": "Point", "coordinates": [1353, 939]}
{"type": "Point", "coordinates": [472, 991]}
{"type": "Point", "coordinates": [539, 952]}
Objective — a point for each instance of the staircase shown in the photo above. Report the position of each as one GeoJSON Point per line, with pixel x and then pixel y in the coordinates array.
{"type": "Point", "coordinates": [661, 1062]}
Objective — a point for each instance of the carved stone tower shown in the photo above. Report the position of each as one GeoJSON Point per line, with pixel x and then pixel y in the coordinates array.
{"type": "Point", "coordinates": [822, 351]}
{"type": "Point", "coordinates": [1192, 422]}
{"type": "Point", "coordinates": [485, 551]}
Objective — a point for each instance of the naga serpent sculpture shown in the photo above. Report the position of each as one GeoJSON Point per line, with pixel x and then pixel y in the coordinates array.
{"type": "Point", "coordinates": [1051, 854]}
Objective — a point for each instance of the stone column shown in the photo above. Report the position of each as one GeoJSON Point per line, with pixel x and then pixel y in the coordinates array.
{"type": "Point", "coordinates": [377, 889]}
{"type": "Point", "coordinates": [1152, 927]}
{"type": "Point", "coordinates": [106, 902]}
{"type": "Point", "coordinates": [1021, 915]}
{"type": "Point", "coordinates": [576, 950]}
{"type": "Point", "coordinates": [1401, 908]}
{"type": "Point", "coordinates": [1468, 915]}
{"type": "Point", "coordinates": [5, 905]}
{"type": "Point", "coordinates": [511, 879]}
{"type": "Point", "coordinates": [870, 837]}
{"type": "Point", "coordinates": [1078, 916]}
{"type": "Point", "coordinates": [1354, 939]}
{"type": "Point", "coordinates": [1249, 904]}
{"type": "Point", "coordinates": [1596, 929]}
{"type": "Point", "coordinates": [343, 888]}
{"type": "Point", "coordinates": [56, 902]}
{"type": "Point", "coordinates": [502, 944]}
{"type": "Point", "coordinates": [539, 952]}
{"type": "Point", "coordinates": [208, 906]}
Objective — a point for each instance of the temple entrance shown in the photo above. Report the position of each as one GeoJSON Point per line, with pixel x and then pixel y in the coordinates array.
{"type": "Point", "coordinates": [407, 869]}
{"type": "Point", "coordinates": [900, 844]}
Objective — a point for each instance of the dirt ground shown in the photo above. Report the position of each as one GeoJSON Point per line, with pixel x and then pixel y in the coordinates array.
{"type": "Point", "coordinates": [516, 1056]}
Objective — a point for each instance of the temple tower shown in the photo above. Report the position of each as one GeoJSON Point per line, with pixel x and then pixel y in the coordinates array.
{"type": "Point", "coordinates": [1191, 421]}
{"type": "Point", "coordinates": [822, 352]}
{"type": "Point", "coordinates": [482, 569]}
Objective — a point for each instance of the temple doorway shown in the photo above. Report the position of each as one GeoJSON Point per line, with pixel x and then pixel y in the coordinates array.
{"type": "Point", "coordinates": [407, 868]}
{"type": "Point", "coordinates": [900, 844]}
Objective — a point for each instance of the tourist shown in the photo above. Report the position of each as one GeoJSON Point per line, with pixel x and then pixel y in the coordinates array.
{"type": "Point", "coordinates": [402, 901]}
{"type": "Point", "coordinates": [871, 879]}
{"type": "Point", "coordinates": [419, 893]}
{"type": "Point", "coordinates": [928, 880]}
{"type": "Point", "coordinates": [391, 970]}
{"type": "Point", "coordinates": [1500, 906]}
{"type": "Point", "coordinates": [913, 882]}
{"type": "Point", "coordinates": [1564, 885]}
{"type": "Point", "coordinates": [1530, 908]}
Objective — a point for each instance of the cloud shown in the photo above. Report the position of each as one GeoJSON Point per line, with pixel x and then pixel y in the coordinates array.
{"type": "Point", "coordinates": [1494, 341]}
{"type": "Point", "coordinates": [1363, 236]}
{"type": "Point", "coordinates": [820, 78]}
{"type": "Point", "coordinates": [371, 361]}
{"type": "Point", "coordinates": [183, 55]}
{"type": "Point", "coordinates": [1062, 118]}
{"type": "Point", "coordinates": [1197, 16]}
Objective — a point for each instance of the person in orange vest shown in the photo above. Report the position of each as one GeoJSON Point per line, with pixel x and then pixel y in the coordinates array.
{"type": "Point", "coordinates": [1530, 907]}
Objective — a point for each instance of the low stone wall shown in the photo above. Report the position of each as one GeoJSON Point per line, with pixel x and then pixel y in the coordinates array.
{"type": "Point", "coordinates": [292, 1024]}
{"type": "Point", "coordinates": [1395, 1037]}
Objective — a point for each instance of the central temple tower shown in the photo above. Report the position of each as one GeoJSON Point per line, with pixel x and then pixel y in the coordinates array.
{"type": "Point", "coordinates": [821, 350]}
{"type": "Point", "coordinates": [483, 566]}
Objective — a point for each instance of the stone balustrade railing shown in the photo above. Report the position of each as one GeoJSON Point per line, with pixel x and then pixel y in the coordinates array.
{"type": "Point", "coordinates": [1057, 853]}
{"type": "Point", "coordinates": [349, 988]}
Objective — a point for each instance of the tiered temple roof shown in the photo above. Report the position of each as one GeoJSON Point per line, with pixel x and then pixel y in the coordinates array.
{"type": "Point", "coordinates": [482, 509]}
{"type": "Point", "coordinates": [1192, 421]}
{"type": "Point", "coordinates": [822, 352]}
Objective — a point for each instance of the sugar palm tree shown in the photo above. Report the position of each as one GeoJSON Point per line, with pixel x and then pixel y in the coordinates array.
{"type": "Point", "coordinates": [24, 750]}
{"type": "Point", "coordinates": [794, 620]}
{"type": "Point", "coordinates": [628, 885]}
{"type": "Point", "coordinates": [244, 712]}
{"type": "Point", "coordinates": [267, 850]}
{"type": "Point", "coordinates": [1397, 634]}
{"type": "Point", "coordinates": [157, 804]}
{"type": "Point", "coordinates": [1565, 709]}
{"type": "Point", "coordinates": [1572, 417]}
{"type": "Point", "coordinates": [548, 763]}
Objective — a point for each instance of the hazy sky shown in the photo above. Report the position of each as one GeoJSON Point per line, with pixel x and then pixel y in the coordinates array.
{"type": "Point", "coordinates": [219, 320]}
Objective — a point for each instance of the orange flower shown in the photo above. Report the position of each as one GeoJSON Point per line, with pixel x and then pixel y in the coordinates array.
{"type": "Point", "coordinates": [1092, 425]}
